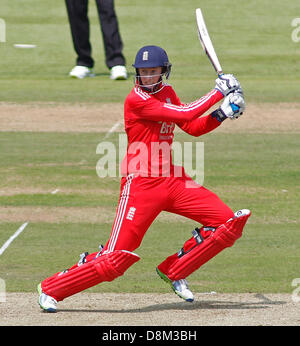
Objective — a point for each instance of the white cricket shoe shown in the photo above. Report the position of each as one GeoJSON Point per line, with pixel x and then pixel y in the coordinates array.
{"type": "Point", "coordinates": [46, 302]}
{"type": "Point", "coordinates": [118, 72]}
{"type": "Point", "coordinates": [81, 72]}
{"type": "Point", "coordinates": [180, 287]}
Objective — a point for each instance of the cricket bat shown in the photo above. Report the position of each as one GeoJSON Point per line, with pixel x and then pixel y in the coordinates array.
{"type": "Point", "coordinates": [206, 42]}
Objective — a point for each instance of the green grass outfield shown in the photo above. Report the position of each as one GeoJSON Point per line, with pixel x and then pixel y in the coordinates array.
{"type": "Point", "coordinates": [252, 39]}
{"type": "Point", "coordinates": [265, 259]}
{"type": "Point", "coordinates": [255, 171]}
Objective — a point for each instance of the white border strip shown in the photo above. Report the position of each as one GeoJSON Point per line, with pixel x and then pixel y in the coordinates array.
{"type": "Point", "coordinates": [12, 238]}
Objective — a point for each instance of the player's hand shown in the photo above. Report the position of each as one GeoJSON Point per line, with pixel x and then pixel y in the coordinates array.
{"type": "Point", "coordinates": [239, 90]}
{"type": "Point", "coordinates": [227, 83]}
{"type": "Point", "coordinates": [233, 105]}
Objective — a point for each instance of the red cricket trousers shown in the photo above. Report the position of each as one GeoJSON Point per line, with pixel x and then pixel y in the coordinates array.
{"type": "Point", "coordinates": [143, 198]}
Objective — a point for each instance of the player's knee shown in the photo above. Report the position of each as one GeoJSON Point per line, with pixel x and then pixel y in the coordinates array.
{"type": "Point", "coordinates": [231, 230]}
{"type": "Point", "coordinates": [114, 264]}
{"type": "Point", "coordinates": [204, 245]}
{"type": "Point", "coordinates": [106, 267]}
{"type": "Point", "coordinates": [223, 217]}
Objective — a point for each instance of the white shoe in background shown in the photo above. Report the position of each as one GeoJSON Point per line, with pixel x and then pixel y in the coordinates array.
{"type": "Point", "coordinates": [118, 72]}
{"type": "Point", "coordinates": [81, 72]}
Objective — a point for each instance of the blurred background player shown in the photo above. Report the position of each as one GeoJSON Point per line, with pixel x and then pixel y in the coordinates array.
{"type": "Point", "coordinates": [80, 30]}
{"type": "Point", "coordinates": [151, 184]}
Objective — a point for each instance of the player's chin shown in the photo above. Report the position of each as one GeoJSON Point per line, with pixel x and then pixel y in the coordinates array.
{"type": "Point", "coordinates": [150, 87]}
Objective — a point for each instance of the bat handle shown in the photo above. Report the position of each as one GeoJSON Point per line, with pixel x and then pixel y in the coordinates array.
{"type": "Point", "coordinates": [220, 73]}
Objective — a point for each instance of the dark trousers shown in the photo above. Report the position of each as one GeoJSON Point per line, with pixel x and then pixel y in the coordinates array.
{"type": "Point", "coordinates": [80, 30]}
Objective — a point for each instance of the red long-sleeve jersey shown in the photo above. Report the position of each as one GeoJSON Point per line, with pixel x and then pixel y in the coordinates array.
{"type": "Point", "coordinates": [150, 120]}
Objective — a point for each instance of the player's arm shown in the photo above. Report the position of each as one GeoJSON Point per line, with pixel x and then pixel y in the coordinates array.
{"type": "Point", "coordinates": [200, 126]}
{"type": "Point", "coordinates": [149, 108]}
{"type": "Point", "coordinates": [232, 107]}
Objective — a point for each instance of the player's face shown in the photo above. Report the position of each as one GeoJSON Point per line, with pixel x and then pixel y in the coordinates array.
{"type": "Point", "coordinates": [150, 76]}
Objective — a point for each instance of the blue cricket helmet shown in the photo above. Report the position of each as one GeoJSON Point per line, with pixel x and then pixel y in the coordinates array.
{"type": "Point", "coordinates": [153, 56]}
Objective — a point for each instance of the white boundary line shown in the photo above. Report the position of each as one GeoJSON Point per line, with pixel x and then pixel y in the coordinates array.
{"type": "Point", "coordinates": [21, 228]}
{"type": "Point", "coordinates": [13, 237]}
{"type": "Point", "coordinates": [112, 129]}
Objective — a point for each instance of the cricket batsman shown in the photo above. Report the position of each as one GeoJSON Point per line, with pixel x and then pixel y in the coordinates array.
{"type": "Point", "coordinates": [151, 183]}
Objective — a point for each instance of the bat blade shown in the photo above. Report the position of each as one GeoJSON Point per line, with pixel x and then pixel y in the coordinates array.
{"type": "Point", "coordinates": [206, 42]}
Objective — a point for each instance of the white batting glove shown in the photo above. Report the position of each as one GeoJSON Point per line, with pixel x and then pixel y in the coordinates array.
{"type": "Point", "coordinates": [227, 83]}
{"type": "Point", "coordinates": [232, 107]}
